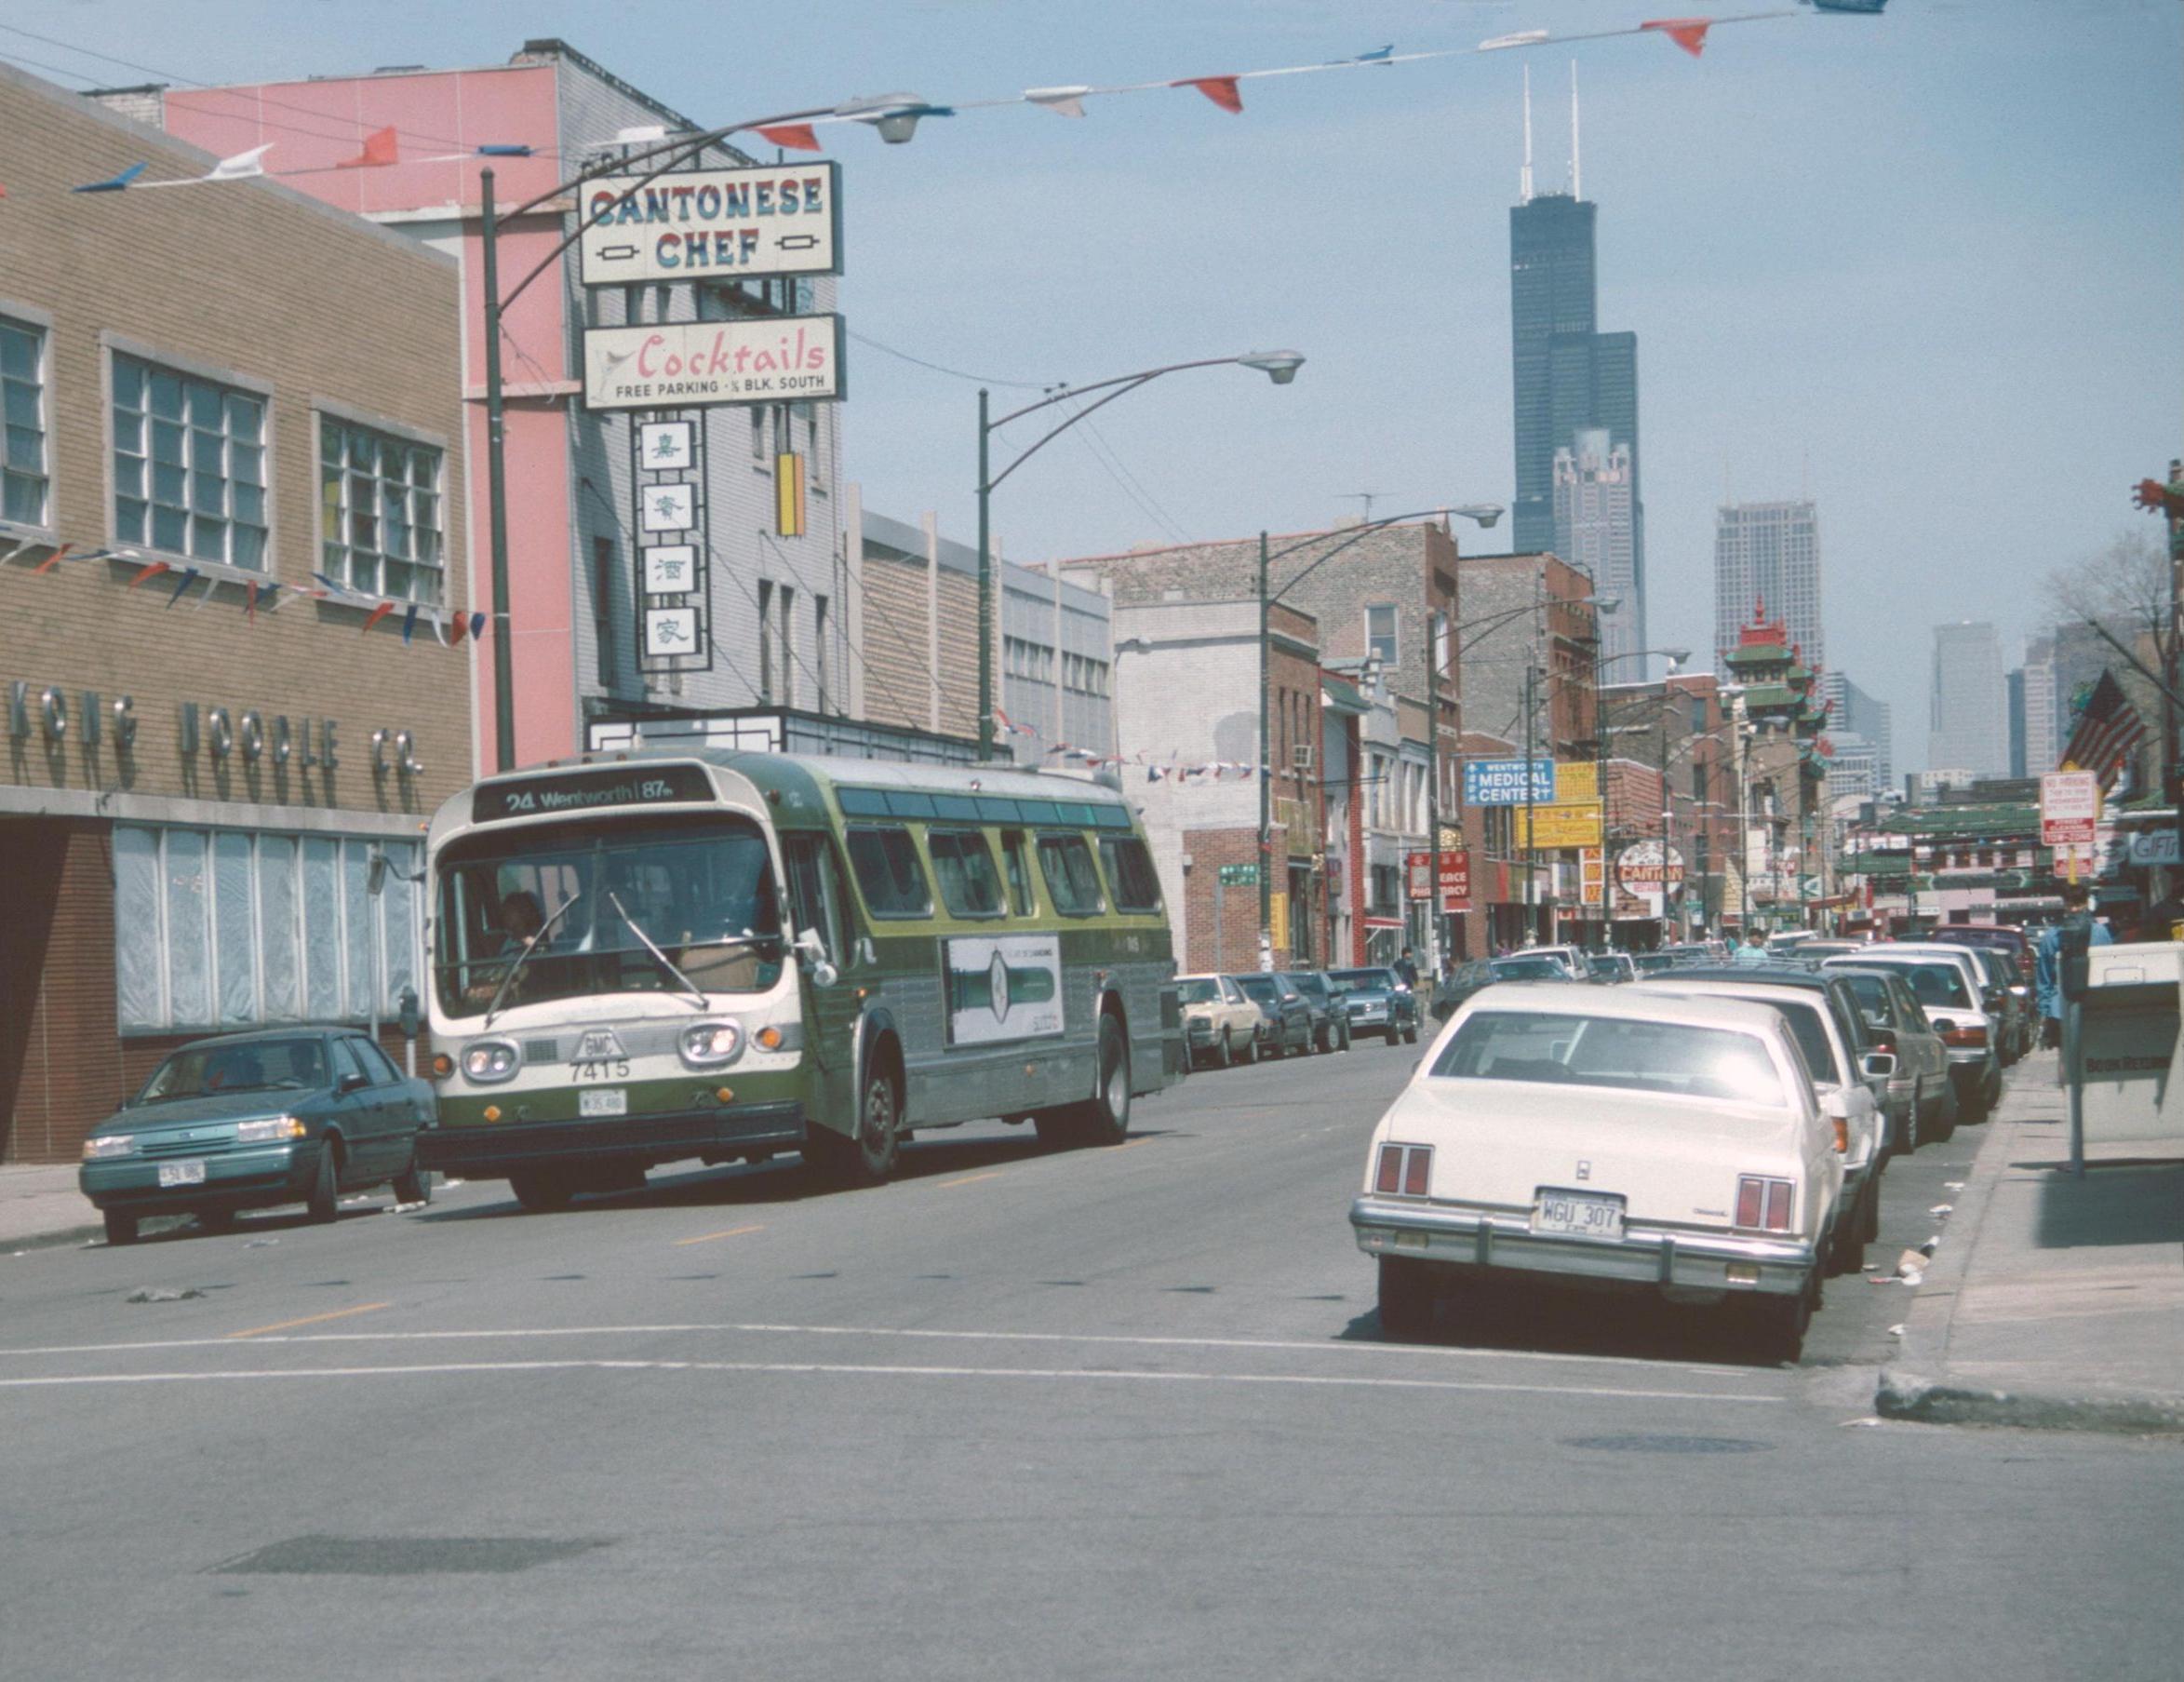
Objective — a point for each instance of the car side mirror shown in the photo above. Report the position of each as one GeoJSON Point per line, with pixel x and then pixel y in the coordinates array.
{"type": "Point", "coordinates": [811, 952]}
{"type": "Point", "coordinates": [1878, 1065]}
{"type": "Point", "coordinates": [351, 1083]}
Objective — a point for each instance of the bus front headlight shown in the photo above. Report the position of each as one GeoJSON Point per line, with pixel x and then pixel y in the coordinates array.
{"type": "Point", "coordinates": [712, 1044]}
{"type": "Point", "coordinates": [490, 1061]}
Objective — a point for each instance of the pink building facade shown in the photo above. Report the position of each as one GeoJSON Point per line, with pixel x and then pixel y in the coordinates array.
{"type": "Point", "coordinates": [781, 608]}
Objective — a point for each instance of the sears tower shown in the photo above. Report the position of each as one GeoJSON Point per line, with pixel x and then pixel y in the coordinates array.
{"type": "Point", "coordinates": [1569, 378]}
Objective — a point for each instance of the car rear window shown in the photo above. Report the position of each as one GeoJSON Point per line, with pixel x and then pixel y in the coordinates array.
{"type": "Point", "coordinates": [1199, 991]}
{"type": "Point", "coordinates": [1931, 984]}
{"type": "Point", "coordinates": [1362, 981]}
{"type": "Point", "coordinates": [1556, 1049]}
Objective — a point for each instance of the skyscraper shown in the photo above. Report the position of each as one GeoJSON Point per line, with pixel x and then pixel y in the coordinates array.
{"type": "Point", "coordinates": [1968, 729]}
{"type": "Point", "coordinates": [2043, 742]}
{"type": "Point", "coordinates": [1856, 717]}
{"type": "Point", "coordinates": [1769, 552]}
{"type": "Point", "coordinates": [1569, 377]}
{"type": "Point", "coordinates": [1595, 529]}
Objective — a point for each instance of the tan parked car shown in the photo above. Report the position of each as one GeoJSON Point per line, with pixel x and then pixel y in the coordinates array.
{"type": "Point", "coordinates": [1220, 1025]}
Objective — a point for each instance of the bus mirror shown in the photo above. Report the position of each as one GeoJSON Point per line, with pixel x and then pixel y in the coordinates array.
{"type": "Point", "coordinates": [408, 1010]}
{"type": "Point", "coordinates": [811, 951]}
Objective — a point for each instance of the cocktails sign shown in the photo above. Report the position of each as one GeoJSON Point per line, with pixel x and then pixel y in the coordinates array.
{"type": "Point", "coordinates": [704, 364]}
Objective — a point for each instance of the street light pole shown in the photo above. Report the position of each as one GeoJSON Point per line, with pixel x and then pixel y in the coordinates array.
{"type": "Point", "coordinates": [1280, 366]}
{"type": "Point", "coordinates": [985, 589]}
{"type": "Point", "coordinates": [1266, 780]}
{"type": "Point", "coordinates": [497, 486]}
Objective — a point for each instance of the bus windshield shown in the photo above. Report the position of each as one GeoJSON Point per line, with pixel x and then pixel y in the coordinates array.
{"type": "Point", "coordinates": [607, 893]}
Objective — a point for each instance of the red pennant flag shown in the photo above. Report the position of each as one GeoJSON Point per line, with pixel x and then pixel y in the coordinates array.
{"type": "Point", "coordinates": [151, 569]}
{"type": "Point", "coordinates": [2148, 494]}
{"type": "Point", "coordinates": [1689, 34]}
{"type": "Point", "coordinates": [798, 136]}
{"type": "Point", "coordinates": [457, 624]}
{"type": "Point", "coordinates": [53, 559]}
{"type": "Point", "coordinates": [378, 613]}
{"type": "Point", "coordinates": [379, 151]}
{"type": "Point", "coordinates": [1222, 90]}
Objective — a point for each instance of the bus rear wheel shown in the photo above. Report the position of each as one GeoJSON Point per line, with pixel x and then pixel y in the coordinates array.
{"type": "Point", "coordinates": [541, 1191]}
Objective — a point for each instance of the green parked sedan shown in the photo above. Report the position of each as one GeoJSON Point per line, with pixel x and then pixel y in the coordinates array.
{"type": "Point", "coordinates": [247, 1121]}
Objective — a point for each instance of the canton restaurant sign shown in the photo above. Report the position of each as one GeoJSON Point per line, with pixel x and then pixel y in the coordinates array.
{"type": "Point", "coordinates": [707, 224]}
{"type": "Point", "coordinates": [703, 364]}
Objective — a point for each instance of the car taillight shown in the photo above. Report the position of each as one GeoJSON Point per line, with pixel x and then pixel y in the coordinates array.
{"type": "Point", "coordinates": [1404, 1168]}
{"type": "Point", "coordinates": [1968, 1037]}
{"type": "Point", "coordinates": [1764, 1203]}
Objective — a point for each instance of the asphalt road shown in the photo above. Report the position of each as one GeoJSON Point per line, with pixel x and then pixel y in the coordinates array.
{"type": "Point", "coordinates": [1097, 1413]}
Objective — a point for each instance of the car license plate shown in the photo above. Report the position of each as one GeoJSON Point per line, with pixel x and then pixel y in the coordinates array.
{"type": "Point", "coordinates": [190, 1173]}
{"type": "Point", "coordinates": [613, 1101]}
{"type": "Point", "coordinates": [1575, 1214]}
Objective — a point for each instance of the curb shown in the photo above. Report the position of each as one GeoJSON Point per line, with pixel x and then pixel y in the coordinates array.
{"type": "Point", "coordinates": [60, 1237]}
{"type": "Point", "coordinates": [1915, 1386]}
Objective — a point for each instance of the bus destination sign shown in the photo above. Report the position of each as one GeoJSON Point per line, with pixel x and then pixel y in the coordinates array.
{"type": "Point", "coordinates": [576, 792]}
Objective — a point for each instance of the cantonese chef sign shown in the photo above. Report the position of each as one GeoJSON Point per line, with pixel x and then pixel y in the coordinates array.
{"type": "Point", "coordinates": [699, 364]}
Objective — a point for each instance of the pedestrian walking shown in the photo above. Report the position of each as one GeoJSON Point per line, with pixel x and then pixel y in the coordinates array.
{"type": "Point", "coordinates": [1753, 950]}
{"type": "Point", "coordinates": [1406, 969]}
{"type": "Point", "coordinates": [2078, 931]}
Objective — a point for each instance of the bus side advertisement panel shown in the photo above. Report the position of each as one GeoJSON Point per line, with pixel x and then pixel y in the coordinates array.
{"type": "Point", "coordinates": [1002, 987]}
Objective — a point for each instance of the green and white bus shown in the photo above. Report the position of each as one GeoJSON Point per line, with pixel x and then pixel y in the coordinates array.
{"type": "Point", "coordinates": [654, 957]}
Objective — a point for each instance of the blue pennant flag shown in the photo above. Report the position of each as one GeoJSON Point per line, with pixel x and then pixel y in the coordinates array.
{"type": "Point", "coordinates": [113, 183]}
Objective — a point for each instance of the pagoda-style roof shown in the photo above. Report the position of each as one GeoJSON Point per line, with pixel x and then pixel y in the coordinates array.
{"type": "Point", "coordinates": [1964, 823]}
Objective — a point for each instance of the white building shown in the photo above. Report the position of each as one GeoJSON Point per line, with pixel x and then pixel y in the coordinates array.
{"type": "Point", "coordinates": [1769, 552]}
{"type": "Point", "coordinates": [1596, 532]}
{"type": "Point", "coordinates": [1969, 725]}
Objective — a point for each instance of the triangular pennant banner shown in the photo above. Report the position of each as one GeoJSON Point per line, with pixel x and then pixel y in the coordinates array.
{"type": "Point", "coordinates": [381, 148]}
{"type": "Point", "coordinates": [798, 137]}
{"type": "Point", "coordinates": [378, 613]}
{"type": "Point", "coordinates": [457, 627]}
{"type": "Point", "coordinates": [53, 559]}
{"type": "Point", "coordinates": [410, 625]}
{"type": "Point", "coordinates": [1222, 90]}
{"type": "Point", "coordinates": [190, 576]}
{"type": "Point", "coordinates": [1689, 34]}
{"type": "Point", "coordinates": [113, 183]}
{"type": "Point", "coordinates": [478, 627]}
{"type": "Point", "coordinates": [150, 569]}
{"type": "Point", "coordinates": [1062, 101]}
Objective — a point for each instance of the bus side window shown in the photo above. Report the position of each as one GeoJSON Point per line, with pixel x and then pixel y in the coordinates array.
{"type": "Point", "coordinates": [889, 874]}
{"type": "Point", "coordinates": [816, 891]}
{"type": "Point", "coordinates": [1073, 880]}
{"type": "Point", "coordinates": [1019, 871]}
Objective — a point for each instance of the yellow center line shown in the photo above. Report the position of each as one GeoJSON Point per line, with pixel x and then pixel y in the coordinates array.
{"type": "Point", "coordinates": [969, 1179]}
{"type": "Point", "coordinates": [709, 1237]}
{"type": "Point", "coordinates": [338, 1313]}
{"type": "Point", "coordinates": [1133, 1144]}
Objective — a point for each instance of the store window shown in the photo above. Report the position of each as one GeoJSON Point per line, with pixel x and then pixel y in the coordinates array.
{"type": "Point", "coordinates": [229, 928]}
{"type": "Point", "coordinates": [380, 513]}
{"type": "Point", "coordinates": [23, 484]}
{"type": "Point", "coordinates": [189, 465]}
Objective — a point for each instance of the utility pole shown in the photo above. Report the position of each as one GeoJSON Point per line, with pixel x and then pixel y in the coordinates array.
{"type": "Point", "coordinates": [1266, 784]}
{"type": "Point", "coordinates": [497, 485]}
{"type": "Point", "coordinates": [1531, 676]}
{"type": "Point", "coordinates": [985, 592]}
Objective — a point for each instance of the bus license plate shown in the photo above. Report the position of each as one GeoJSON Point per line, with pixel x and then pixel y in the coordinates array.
{"type": "Point", "coordinates": [1571, 1214]}
{"type": "Point", "coordinates": [191, 1173]}
{"type": "Point", "coordinates": [612, 1101]}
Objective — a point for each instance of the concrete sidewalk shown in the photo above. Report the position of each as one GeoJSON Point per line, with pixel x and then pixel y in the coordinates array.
{"type": "Point", "coordinates": [41, 1206]}
{"type": "Point", "coordinates": [2051, 1301]}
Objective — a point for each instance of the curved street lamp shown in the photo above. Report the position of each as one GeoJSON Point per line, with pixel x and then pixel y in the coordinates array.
{"type": "Point", "coordinates": [1485, 514]}
{"type": "Point", "coordinates": [1280, 366]}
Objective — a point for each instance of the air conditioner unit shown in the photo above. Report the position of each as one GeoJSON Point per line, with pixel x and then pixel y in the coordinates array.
{"type": "Point", "coordinates": [1300, 756]}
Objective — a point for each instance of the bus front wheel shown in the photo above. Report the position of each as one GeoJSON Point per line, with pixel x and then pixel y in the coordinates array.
{"type": "Point", "coordinates": [876, 1151]}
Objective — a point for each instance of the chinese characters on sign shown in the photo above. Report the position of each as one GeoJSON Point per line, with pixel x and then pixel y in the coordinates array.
{"type": "Point", "coordinates": [1455, 877]}
{"type": "Point", "coordinates": [668, 466]}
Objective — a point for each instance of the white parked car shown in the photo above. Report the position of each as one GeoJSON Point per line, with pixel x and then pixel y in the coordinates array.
{"type": "Point", "coordinates": [1947, 981]}
{"type": "Point", "coordinates": [1669, 1145]}
{"type": "Point", "coordinates": [1840, 1077]}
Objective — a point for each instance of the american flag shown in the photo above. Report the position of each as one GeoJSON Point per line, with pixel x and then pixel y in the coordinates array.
{"type": "Point", "coordinates": [2109, 731]}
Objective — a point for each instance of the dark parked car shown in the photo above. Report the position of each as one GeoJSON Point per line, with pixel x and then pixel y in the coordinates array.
{"type": "Point", "coordinates": [1450, 992]}
{"type": "Point", "coordinates": [1377, 1003]}
{"type": "Point", "coordinates": [247, 1121]}
{"type": "Point", "coordinates": [1331, 1023]}
{"type": "Point", "coordinates": [1288, 1025]}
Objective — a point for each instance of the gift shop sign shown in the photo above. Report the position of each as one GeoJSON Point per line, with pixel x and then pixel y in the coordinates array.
{"type": "Point", "coordinates": [701, 364]}
{"type": "Point", "coordinates": [702, 224]}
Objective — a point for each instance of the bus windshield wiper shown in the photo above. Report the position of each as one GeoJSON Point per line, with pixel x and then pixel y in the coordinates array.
{"type": "Point", "coordinates": [697, 999]}
{"type": "Point", "coordinates": [523, 958]}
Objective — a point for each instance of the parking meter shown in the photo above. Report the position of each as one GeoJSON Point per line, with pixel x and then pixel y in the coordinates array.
{"type": "Point", "coordinates": [2073, 941]}
{"type": "Point", "coordinates": [406, 1004]}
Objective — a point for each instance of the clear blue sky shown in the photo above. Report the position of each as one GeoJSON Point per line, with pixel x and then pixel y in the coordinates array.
{"type": "Point", "coordinates": [1930, 266]}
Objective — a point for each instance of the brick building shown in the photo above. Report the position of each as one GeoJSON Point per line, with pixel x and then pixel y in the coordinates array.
{"type": "Point", "coordinates": [201, 757]}
{"type": "Point", "coordinates": [1386, 595]}
{"type": "Point", "coordinates": [1672, 778]}
{"type": "Point", "coordinates": [1188, 700]}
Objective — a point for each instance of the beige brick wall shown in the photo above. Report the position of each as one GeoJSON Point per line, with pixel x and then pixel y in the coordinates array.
{"type": "Point", "coordinates": [249, 280]}
{"type": "Point", "coordinates": [897, 648]}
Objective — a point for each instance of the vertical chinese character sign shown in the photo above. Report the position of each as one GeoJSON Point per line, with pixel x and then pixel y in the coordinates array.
{"type": "Point", "coordinates": [673, 611]}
